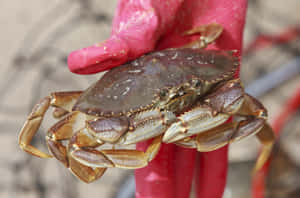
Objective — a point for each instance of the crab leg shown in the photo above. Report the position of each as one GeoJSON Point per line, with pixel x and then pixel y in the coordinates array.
{"type": "Point", "coordinates": [220, 136]}
{"type": "Point", "coordinates": [31, 126]}
{"type": "Point", "coordinates": [266, 134]}
{"type": "Point", "coordinates": [63, 101]}
{"type": "Point", "coordinates": [209, 33]}
{"type": "Point", "coordinates": [64, 130]}
{"type": "Point", "coordinates": [121, 158]}
{"type": "Point", "coordinates": [59, 99]}
{"type": "Point", "coordinates": [85, 173]}
{"type": "Point", "coordinates": [267, 138]}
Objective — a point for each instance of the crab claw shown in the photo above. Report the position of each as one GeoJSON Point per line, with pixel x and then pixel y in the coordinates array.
{"type": "Point", "coordinates": [108, 129]}
{"type": "Point", "coordinates": [197, 120]}
{"type": "Point", "coordinates": [148, 124]}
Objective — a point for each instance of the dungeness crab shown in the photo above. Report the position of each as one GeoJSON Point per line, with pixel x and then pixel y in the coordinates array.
{"type": "Point", "coordinates": [182, 96]}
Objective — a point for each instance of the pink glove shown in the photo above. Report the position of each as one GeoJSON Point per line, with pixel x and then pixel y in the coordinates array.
{"type": "Point", "coordinates": [143, 26]}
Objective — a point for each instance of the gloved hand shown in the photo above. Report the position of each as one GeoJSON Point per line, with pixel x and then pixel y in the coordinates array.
{"type": "Point", "coordinates": [143, 26]}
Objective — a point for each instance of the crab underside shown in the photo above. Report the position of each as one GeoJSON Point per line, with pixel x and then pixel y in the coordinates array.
{"type": "Point", "coordinates": [182, 96]}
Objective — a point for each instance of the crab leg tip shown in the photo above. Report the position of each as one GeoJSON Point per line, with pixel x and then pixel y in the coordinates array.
{"type": "Point", "coordinates": [33, 151]}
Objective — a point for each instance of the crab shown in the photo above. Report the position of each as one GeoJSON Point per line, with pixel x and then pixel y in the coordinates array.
{"type": "Point", "coordinates": [183, 96]}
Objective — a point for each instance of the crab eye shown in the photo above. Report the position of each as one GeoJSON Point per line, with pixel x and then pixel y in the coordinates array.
{"type": "Point", "coordinates": [196, 83]}
{"type": "Point", "coordinates": [181, 91]}
{"type": "Point", "coordinates": [163, 93]}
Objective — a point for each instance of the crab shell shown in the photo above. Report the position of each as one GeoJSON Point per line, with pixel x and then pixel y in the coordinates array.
{"type": "Point", "coordinates": [155, 79]}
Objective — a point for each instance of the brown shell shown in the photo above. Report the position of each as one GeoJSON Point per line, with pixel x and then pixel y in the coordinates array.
{"type": "Point", "coordinates": [135, 85]}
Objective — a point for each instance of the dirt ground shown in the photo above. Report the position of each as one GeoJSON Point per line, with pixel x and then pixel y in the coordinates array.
{"type": "Point", "coordinates": [36, 38]}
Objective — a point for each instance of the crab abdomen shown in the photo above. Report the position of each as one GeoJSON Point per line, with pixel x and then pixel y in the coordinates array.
{"type": "Point", "coordinates": [136, 85]}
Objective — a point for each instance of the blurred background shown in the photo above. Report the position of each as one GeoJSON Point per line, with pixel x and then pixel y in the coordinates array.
{"type": "Point", "coordinates": [36, 38]}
